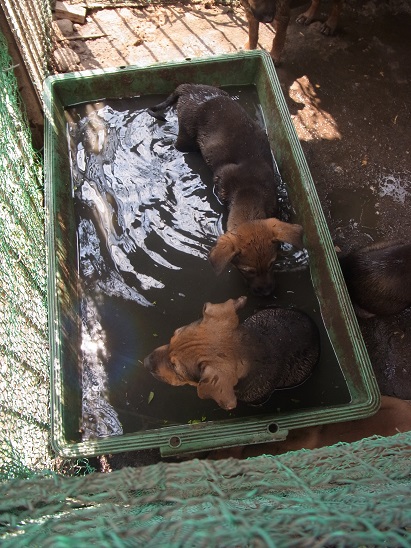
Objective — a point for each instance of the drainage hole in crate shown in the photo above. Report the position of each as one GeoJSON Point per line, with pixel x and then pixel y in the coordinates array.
{"type": "Point", "coordinates": [174, 441]}
{"type": "Point", "coordinates": [272, 427]}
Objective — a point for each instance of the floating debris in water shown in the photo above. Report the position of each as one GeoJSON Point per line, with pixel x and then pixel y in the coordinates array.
{"type": "Point", "coordinates": [396, 185]}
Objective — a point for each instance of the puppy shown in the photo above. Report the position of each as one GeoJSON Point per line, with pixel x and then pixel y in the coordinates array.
{"type": "Point", "coordinates": [378, 278]}
{"type": "Point", "coordinates": [277, 12]}
{"type": "Point", "coordinates": [238, 152]}
{"type": "Point", "coordinates": [274, 348]}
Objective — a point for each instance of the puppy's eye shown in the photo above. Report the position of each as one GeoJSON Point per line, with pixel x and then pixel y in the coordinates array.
{"type": "Point", "coordinates": [175, 364]}
{"type": "Point", "coordinates": [178, 368]}
{"type": "Point", "coordinates": [248, 270]}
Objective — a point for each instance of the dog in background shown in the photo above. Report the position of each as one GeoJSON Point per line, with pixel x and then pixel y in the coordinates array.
{"type": "Point", "coordinates": [277, 12]}
{"type": "Point", "coordinates": [378, 278]}
{"type": "Point", "coordinates": [227, 361]}
{"type": "Point", "coordinates": [237, 150]}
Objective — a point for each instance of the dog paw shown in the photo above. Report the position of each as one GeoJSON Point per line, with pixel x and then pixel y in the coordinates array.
{"type": "Point", "coordinates": [248, 46]}
{"type": "Point", "coordinates": [303, 19]}
{"type": "Point", "coordinates": [276, 58]}
{"type": "Point", "coordinates": [327, 29]}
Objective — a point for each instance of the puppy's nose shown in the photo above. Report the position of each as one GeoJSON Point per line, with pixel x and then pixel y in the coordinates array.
{"type": "Point", "coordinates": [263, 16]}
{"type": "Point", "coordinates": [267, 18]}
{"type": "Point", "coordinates": [148, 362]}
{"type": "Point", "coordinates": [262, 290]}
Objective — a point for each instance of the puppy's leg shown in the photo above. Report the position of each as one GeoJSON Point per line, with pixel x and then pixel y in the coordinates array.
{"type": "Point", "coordinates": [253, 25]}
{"type": "Point", "coordinates": [331, 24]}
{"type": "Point", "coordinates": [280, 26]}
{"type": "Point", "coordinates": [184, 142]}
{"type": "Point", "coordinates": [308, 16]}
{"type": "Point", "coordinates": [328, 28]}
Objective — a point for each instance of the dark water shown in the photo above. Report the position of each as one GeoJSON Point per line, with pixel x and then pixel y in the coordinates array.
{"type": "Point", "coordinates": [147, 217]}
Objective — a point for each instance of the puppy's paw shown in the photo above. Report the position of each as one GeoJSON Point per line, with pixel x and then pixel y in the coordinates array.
{"type": "Point", "coordinates": [304, 19]}
{"type": "Point", "coordinates": [328, 28]}
{"type": "Point", "coordinates": [250, 44]}
{"type": "Point", "coordinates": [276, 57]}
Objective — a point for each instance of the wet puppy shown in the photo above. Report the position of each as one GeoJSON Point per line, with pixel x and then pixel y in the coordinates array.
{"type": "Point", "coordinates": [238, 152]}
{"type": "Point", "coordinates": [274, 348]}
{"type": "Point", "coordinates": [378, 278]}
{"type": "Point", "coordinates": [277, 12]}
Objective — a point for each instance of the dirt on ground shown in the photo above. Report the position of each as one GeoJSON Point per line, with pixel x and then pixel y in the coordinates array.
{"type": "Point", "coordinates": [349, 98]}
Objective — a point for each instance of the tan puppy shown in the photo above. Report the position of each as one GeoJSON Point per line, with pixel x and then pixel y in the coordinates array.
{"type": "Point", "coordinates": [273, 349]}
{"type": "Point", "coordinates": [252, 247]}
{"type": "Point", "coordinates": [394, 416]}
{"type": "Point", "coordinates": [277, 12]}
{"type": "Point", "coordinates": [378, 278]}
{"type": "Point", "coordinates": [238, 152]}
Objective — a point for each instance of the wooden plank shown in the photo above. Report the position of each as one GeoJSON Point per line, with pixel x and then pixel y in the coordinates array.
{"type": "Point", "coordinates": [75, 13]}
{"type": "Point", "coordinates": [31, 101]}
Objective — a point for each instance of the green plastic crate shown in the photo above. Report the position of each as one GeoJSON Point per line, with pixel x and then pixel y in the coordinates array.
{"type": "Point", "coordinates": [253, 68]}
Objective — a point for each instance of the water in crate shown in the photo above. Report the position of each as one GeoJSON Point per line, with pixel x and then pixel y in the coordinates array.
{"type": "Point", "coordinates": [146, 218]}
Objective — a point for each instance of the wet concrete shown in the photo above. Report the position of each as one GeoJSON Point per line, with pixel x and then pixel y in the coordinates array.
{"type": "Point", "coordinates": [353, 91]}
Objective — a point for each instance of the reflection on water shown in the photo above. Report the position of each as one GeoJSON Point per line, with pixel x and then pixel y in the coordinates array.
{"type": "Point", "coordinates": [135, 183]}
{"type": "Point", "coordinates": [146, 219]}
{"type": "Point", "coordinates": [99, 417]}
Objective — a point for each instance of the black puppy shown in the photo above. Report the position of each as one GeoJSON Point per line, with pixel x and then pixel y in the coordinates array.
{"type": "Point", "coordinates": [378, 278]}
{"type": "Point", "coordinates": [238, 152]}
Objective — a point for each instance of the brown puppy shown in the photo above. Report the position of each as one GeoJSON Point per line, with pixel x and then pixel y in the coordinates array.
{"type": "Point", "coordinates": [274, 348]}
{"type": "Point", "coordinates": [378, 278]}
{"type": "Point", "coordinates": [267, 11]}
{"type": "Point", "coordinates": [238, 152]}
{"type": "Point", "coordinates": [394, 416]}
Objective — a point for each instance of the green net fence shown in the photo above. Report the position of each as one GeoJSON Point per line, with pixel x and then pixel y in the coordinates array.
{"type": "Point", "coordinates": [345, 495]}
{"type": "Point", "coordinates": [24, 389]}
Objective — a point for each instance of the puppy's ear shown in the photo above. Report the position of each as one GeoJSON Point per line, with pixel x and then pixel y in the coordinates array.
{"type": "Point", "coordinates": [214, 385]}
{"type": "Point", "coordinates": [221, 310]}
{"type": "Point", "coordinates": [286, 232]}
{"type": "Point", "coordinates": [240, 302]}
{"type": "Point", "coordinates": [223, 252]}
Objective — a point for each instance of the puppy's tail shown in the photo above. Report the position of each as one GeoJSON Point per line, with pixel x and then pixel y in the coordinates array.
{"type": "Point", "coordinates": [171, 100]}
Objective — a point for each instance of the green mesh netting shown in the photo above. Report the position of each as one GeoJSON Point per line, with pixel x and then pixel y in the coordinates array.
{"type": "Point", "coordinates": [24, 394]}
{"type": "Point", "coordinates": [29, 21]}
{"type": "Point", "coordinates": [346, 495]}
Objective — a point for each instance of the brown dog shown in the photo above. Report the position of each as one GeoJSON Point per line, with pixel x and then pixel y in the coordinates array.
{"type": "Point", "coordinates": [277, 12]}
{"type": "Point", "coordinates": [274, 348]}
{"type": "Point", "coordinates": [378, 278]}
{"type": "Point", "coordinates": [238, 152]}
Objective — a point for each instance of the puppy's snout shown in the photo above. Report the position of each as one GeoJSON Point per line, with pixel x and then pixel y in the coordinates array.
{"type": "Point", "coordinates": [151, 363]}
{"type": "Point", "coordinates": [267, 18]}
{"type": "Point", "coordinates": [263, 16]}
{"type": "Point", "coordinates": [262, 289]}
